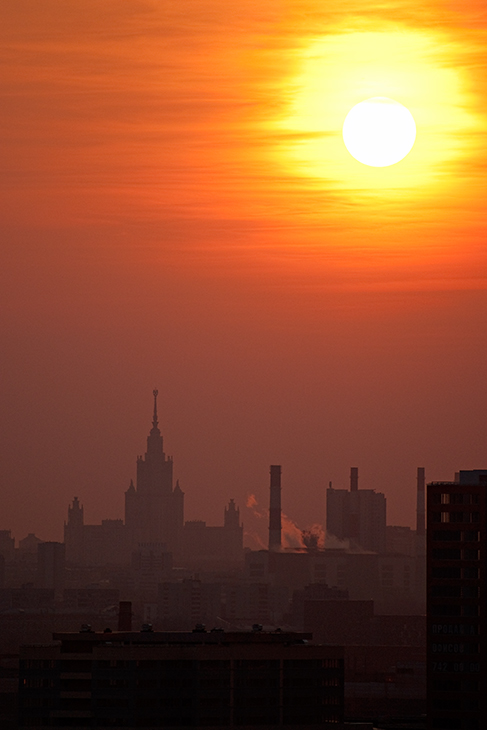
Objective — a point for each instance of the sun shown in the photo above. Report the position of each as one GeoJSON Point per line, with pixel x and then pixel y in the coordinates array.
{"type": "Point", "coordinates": [379, 132]}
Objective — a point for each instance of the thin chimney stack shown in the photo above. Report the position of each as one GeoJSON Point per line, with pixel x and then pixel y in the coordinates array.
{"type": "Point", "coordinates": [354, 479]}
{"type": "Point", "coordinates": [275, 509]}
{"type": "Point", "coordinates": [420, 514]}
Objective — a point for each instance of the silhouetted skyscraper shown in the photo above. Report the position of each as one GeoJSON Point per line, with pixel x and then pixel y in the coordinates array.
{"type": "Point", "coordinates": [456, 608]}
{"type": "Point", "coordinates": [154, 511]}
{"type": "Point", "coordinates": [74, 533]}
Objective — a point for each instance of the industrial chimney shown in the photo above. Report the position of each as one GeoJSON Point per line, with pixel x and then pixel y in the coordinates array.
{"type": "Point", "coordinates": [353, 479]}
{"type": "Point", "coordinates": [275, 509]}
{"type": "Point", "coordinates": [420, 526]}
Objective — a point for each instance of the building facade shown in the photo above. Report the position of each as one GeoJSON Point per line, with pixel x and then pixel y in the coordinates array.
{"type": "Point", "coordinates": [154, 513]}
{"type": "Point", "coordinates": [456, 609]}
{"type": "Point", "coordinates": [207, 547]}
{"type": "Point", "coordinates": [198, 679]}
{"type": "Point", "coordinates": [154, 509]}
{"type": "Point", "coordinates": [357, 516]}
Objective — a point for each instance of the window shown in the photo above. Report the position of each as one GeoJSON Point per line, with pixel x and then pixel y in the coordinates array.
{"type": "Point", "coordinates": [446, 591]}
{"type": "Point", "coordinates": [446, 554]}
{"type": "Point", "coordinates": [449, 609]}
{"type": "Point", "coordinates": [447, 535]}
{"type": "Point", "coordinates": [459, 517]}
{"type": "Point", "coordinates": [470, 610]}
{"type": "Point", "coordinates": [447, 572]}
{"type": "Point", "coordinates": [459, 499]}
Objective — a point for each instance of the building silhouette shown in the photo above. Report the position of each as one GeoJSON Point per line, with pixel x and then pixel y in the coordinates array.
{"type": "Point", "coordinates": [154, 509]}
{"type": "Point", "coordinates": [210, 547]}
{"type": "Point", "coordinates": [193, 679]}
{"type": "Point", "coordinates": [105, 544]}
{"type": "Point", "coordinates": [358, 515]}
{"type": "Point", "coordinates": [51, 564]}
{"type": "Point", "coordinates": [456, 608]}
{"type": "Point", "coordinates": [154, 524]}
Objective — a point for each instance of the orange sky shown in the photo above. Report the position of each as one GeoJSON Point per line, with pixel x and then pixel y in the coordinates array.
{"type": "Point", "coordinates": [178, 210]}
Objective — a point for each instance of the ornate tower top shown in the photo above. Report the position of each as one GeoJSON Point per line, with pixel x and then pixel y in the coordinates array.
{"type": "Point", "coordinates": [155, 422]}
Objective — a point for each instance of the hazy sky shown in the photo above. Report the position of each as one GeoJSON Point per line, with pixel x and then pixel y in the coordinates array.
{"type": "Point", "coordinates": [178, 210]}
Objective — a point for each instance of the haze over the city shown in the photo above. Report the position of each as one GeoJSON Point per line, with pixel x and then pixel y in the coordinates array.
{"type": "Point", "coordinates": [178, 210]}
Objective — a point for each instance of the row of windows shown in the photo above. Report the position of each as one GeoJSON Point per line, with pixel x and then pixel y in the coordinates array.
{"type": "Point", "coordinates": [455, 685]}
{"type": "Point", "coordinates": [453, 572]}
{"type": "Point", "coordinates": [453, 723]}
{"type": "Point", "coordinates": [455, 554]}
{"type": "Point", "coordinates": [455, 591]}
{"type": "Point", "coordinates": [456, 667]}
{"type": "Point", "coordinates": [39, 683]}
{"type": "Point", "coordinates": [452, 609]}
{"type": "Point", "coordinates": [455, 498]}
{"type": "Point", "coordinates": [447, 535]}
{"type": "Point", "coordinates": [455, 629]}
{"type": "Point", "coordinates": [469, 704]}
{"type": "Point", "coordinates": [316, 718]}
{"type": "Point", "coordinates": [37, 664]}
{"type": "Point", "coordinates": [207, 665]}
{"type": "Point", "coordinates": [454, 648]}
{"type": "Point", "coordinates": [452, 517]}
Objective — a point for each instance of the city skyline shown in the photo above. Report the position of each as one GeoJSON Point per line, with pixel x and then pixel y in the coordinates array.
{"type": "Point", "coordinates": [257, 513]}
{"type": "Point", "coordinates": [179, 211]}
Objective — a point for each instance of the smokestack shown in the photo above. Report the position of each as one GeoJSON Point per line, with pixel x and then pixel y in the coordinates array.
{"type": "Point", "coordinates": [353, 479]}
{"type": "Point", "coordinates": [420, 521]}
{"type": "Point", "coordinates": [275, 509]}
{"type": "Point", "coordinates": [125, 616]}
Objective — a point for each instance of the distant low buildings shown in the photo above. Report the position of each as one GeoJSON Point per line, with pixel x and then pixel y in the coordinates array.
{"type": "Point", "coordinates": [29, 544]}
{"type": "Point", "coordinates": [51, 566]}
{"type": "Point", "coordinates": [214, 547]}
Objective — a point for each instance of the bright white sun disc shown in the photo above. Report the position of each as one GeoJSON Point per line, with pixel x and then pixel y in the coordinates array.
{"type": "Point", "coordinates": [379, 132]}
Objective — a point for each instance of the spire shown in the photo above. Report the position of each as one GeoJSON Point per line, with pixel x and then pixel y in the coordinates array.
{"type": "Point", "coordinates": [154, 441]}
{"type": "Point", "coordinates": [155, 422]}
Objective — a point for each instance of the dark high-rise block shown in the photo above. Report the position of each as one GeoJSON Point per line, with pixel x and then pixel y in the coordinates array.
{"type": "Point", "coordinates": [456, 606]}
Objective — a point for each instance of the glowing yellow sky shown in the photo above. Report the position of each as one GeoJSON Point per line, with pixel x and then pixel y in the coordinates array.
{"type": "Point", "coordinates": [419, 68]}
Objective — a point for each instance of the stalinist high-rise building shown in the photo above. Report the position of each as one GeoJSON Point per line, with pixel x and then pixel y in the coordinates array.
{"type": "Point", "coordinates": [154, 521]}
{"type": "Point", "coordinates": [154, 510]}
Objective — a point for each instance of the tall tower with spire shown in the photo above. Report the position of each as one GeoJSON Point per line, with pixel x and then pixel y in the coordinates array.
{"type": "Point", "coordinates": [154, 511]}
